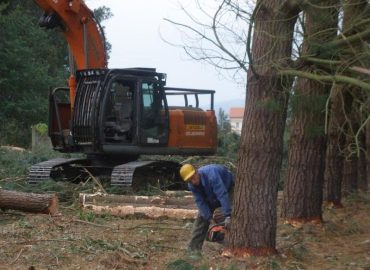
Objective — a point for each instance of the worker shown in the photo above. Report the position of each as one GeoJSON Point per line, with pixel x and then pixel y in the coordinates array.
{"type": "Point", "coordinates": [212, 187]}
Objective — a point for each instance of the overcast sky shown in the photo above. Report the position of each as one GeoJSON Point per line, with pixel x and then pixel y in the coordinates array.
{"type": "Point", "coordinates": [134, 32]}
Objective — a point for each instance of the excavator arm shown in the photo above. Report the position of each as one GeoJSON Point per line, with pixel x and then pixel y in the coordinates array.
{"type": "Point", "coordinates": [81, 31]}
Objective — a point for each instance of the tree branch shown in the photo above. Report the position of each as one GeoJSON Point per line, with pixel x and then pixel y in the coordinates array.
{"type": "Point", "coordinates": [326, 78]}
{"type": "Point", "coordinates": [220, 44]}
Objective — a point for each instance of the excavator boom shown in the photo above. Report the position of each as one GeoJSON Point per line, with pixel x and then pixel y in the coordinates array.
{"type": "Point", "coordinates": [83, 34]}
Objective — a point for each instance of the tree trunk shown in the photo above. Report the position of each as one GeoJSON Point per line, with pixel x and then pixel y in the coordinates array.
{"type": "Point", "coordinates": [350, 165]}
{"type": "Point", "coordinates": [362, 181]}
{"type": "Point", "coordinates": [368, 145]}
{"type": "Point", "coordinates": [254, 215]}
{"type": "Point", "coordinates": [29, 202]}
{"type": "Point", "coordinates": [340, 106]}
{"type": "Point", "coordinates": [302, 198]}
{"type": "Point", "coordinates": [339, 126]}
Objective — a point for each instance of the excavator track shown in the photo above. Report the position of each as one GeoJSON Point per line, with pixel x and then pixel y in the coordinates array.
{"type": "Point", "coordinates": [123, 175]}
{"type": "Point", "coordinates": [42, 171]}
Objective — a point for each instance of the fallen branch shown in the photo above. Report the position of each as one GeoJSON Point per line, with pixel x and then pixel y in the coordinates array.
{"type": "Point", "coordinates": [93, 224]}
{"type": "Point", "coordinates": [14, 179]}
{"type": "Point", "coordinates": [95, 180]}
{"type": "Point", "coordinates": [156, 228]}
{"type": "Point", "coordinates": [168, 247]}
{"type": "Point", "coordinates": [147, 224]}
{"type": "Point", "coordinates": [16, 258]}
{"type": "Point", "coordinates": [43, 240]}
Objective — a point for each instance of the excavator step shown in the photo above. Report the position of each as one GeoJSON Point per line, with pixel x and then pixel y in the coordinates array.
{"type": "Point", "coordinates": [42, 171]}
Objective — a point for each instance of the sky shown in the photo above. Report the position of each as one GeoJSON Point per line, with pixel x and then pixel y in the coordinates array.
{"type": "Point", "coordinates": [135, 32]}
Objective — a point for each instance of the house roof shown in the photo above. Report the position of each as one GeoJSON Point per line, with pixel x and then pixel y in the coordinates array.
{"type": "Point", "coordinates": [236, 112]}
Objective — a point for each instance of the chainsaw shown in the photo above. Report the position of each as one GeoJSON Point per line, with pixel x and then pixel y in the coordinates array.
{"type": "Point", "coordinates": [216, 233]}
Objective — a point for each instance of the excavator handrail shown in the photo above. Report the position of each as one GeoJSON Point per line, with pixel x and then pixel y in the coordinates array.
{"type": "Point", "coordinates": [190, 91]}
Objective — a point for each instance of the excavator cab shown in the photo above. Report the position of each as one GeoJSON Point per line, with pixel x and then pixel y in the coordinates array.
{"type": "Point", "coordinates": [135, 112]}
{"type": "Point", "coordinates": [125, 112]}
{"type": "Point", "coordinates": [112, 108]}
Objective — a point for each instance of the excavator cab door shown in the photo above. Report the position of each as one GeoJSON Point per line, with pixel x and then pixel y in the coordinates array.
{"type": "Point", "coordinates": [154, 118]}
{"type": "Point", "coordinates": [119, 111]}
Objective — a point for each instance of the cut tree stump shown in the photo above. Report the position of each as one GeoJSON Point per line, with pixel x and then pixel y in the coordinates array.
{"type": "Point", "coordinates": [168, 205]}
{"type": "Point", "coordinates": [29, 202]}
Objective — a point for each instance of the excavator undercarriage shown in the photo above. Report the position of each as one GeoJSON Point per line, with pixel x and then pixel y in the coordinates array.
{"type": "Point", "coordinates": [133, 174]}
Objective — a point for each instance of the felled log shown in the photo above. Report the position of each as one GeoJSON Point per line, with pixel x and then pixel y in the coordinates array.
{"type": "Point", "coordinates": [178, 207]}
{"type": "Point", "coordinates": [147, 211]}
{"type": "Point", "coordinates": [29, 202]}
{"type": "Point", "coordinates": [186, 201]}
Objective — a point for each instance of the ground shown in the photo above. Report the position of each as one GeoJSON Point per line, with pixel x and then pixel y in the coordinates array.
{"type": "Point", "coordinates": [77, 239]}
{"type": "Point", "coordinates": [81, 240]}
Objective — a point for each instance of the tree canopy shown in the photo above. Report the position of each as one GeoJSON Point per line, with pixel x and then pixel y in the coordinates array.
{"type": "Point", "coordinates": [32, 62]}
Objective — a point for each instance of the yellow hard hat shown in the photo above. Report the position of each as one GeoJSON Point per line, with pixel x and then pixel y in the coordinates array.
{"type": "Point", "coordinates": [187, 171]}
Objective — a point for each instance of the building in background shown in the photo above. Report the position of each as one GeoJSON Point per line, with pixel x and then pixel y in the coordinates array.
{"type": "Point", "coordinates": [236, 119]}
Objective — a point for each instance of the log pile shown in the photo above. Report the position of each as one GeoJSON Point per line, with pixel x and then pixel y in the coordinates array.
{"type": "Point", "coordinates": [29, 202]}
{"type": "Point", "coordinates": [169, 205]}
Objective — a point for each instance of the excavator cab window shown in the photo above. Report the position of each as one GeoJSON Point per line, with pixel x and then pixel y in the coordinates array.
{"type": "Point", "coordinates": [118, 124]}
{"type": "Point", "coordinates": [154, 114]}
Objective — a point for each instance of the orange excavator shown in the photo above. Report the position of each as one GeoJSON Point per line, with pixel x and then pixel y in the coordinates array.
{"type": "Point", "coordinates": [115, 115]}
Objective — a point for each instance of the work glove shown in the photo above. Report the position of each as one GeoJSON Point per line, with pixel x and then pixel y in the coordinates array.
{"type": "Point", "coordinates": [227, 223]}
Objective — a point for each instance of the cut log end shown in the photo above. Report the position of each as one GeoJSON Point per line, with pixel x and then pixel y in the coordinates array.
{"type": "Point", "coordinates": [248, 252]}
{"type": "Point", "coordinates": [53, 207]}
{"type": "Point", "coordinates": [29, 202]}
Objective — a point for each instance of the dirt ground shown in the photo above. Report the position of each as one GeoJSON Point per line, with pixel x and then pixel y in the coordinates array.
{"type": "Point", "coordinates": [81, 240]}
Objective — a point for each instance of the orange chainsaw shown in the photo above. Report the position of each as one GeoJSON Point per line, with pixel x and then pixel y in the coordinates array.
{"type": "Point", "coordinates": [216, 233]}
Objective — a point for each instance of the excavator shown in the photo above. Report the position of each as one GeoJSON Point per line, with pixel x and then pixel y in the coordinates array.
{"type": "Point", "coordinates": [112, 116]}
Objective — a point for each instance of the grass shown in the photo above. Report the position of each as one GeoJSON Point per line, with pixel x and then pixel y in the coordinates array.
{"type": "Point", "coordinates": [87, 216]}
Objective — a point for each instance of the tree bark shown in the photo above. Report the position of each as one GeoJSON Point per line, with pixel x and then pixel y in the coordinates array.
{"type": "Point", "coordinates": [254, 216]}
{"type": "Point", "coordinates": [355, 13]}
{"type": "Point", "coordinates": [305, 171]}
{"type": "Point", "coordinates": [362, 180]}
{"type": "Point", "coordinates": [368, 145]}
{"type": "Point", "coordinates": [340, 106]}
{"type": "Point", "coordinates": [29, 202]}
{"type": "Point", "coordinates": [303, 187]}
{"type": "Point", "coordinates": [350, 165]}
